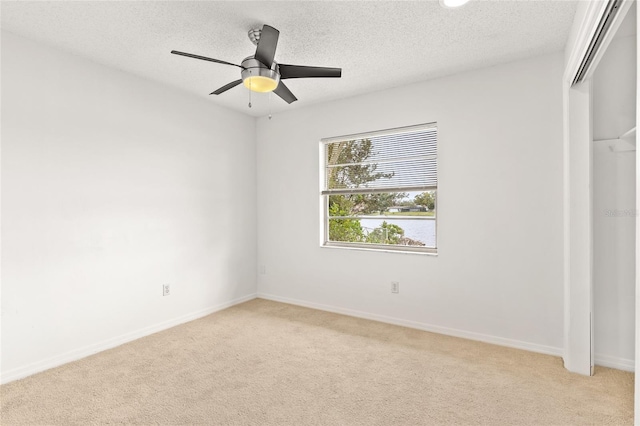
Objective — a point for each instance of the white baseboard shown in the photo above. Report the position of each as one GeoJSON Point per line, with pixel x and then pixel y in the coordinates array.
{"type": "Point", "coordinates": [501, 341]}
{"type": "Point", "coordinates": [615, 362]}
{"type": "Point", "coordinates": [37, 367]}
{"type": "Point", "coordinates": [76, 354]}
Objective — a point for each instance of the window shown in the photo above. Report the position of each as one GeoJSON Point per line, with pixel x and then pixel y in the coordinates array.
{"type": "Point", "coordinates": [379, 189]}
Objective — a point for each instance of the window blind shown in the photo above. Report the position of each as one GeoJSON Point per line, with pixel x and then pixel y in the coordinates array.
{"type": "Point", "coordinates": [387, 161]}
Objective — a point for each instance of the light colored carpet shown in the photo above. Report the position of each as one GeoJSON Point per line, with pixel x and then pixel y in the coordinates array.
{"type": "Point", "coordinates": [267, 363]}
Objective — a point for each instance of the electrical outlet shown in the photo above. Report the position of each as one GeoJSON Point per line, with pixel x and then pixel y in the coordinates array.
{"type": "Point", "coordinates": [166, 289]}
{"type": "Point", "coordinates": [395, 287]}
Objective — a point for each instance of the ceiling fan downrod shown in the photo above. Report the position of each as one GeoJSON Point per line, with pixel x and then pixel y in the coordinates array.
{"type": "Point", "coordinates": [254, 35]}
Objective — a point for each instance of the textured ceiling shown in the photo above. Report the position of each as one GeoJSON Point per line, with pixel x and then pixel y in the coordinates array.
{"type": "Point", "coordinates": [379, 44]}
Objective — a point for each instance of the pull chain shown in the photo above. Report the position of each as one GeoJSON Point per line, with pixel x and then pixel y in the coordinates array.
{"type": "Point", "coordinates": [270, 105]}
{"type": "Point", "coordinates": [250, 88]}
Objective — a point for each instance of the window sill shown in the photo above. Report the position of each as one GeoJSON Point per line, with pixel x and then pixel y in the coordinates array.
{"type": "Point", "coordinates": [422, 252]}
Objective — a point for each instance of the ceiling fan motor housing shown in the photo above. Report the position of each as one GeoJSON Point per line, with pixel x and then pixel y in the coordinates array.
{"type": "Point", "coordinates": [257, 77]}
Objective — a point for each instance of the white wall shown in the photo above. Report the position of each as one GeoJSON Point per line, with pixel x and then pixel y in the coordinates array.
{"type": "Point", "coordinates": [614, 97]}
{"type": "Point", "coordinates": [498, 275]}
{"type": "Point", "coordinates": [614, 112]}
{"type": "Point", "coordinates": [614, 256]}
{"type": "Point", "coordinates": [113, 185]}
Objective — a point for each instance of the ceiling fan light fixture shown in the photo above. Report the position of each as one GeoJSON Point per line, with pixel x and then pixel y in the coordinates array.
{"type": "Point", "coordinates": [261, 84]}
{"type": "Point", "coordinates": [257, 77]}
{"type": "Point", "coordinates": [452, 4]}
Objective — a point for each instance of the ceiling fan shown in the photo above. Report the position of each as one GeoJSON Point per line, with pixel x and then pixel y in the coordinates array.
{"type": "Point", "coordinates": [260, 73]}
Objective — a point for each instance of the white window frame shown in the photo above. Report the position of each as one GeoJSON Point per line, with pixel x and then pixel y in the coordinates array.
{"type": "Point", "coordinates": [324, 198]}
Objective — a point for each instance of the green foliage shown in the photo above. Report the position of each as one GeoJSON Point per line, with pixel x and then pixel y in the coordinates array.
{"type": "Point", "coordinates": [343, 229]}
{"type": "Point", "coordinates": [375, 203]}
{"type": "Point", "coordinates": [348, 157]}
{"type": "Point", "coordinates": [386, 234]}
{"type": "Point", "coordinates": [427, 199]}
{"type": "Point", "coordinates": [351, 171]}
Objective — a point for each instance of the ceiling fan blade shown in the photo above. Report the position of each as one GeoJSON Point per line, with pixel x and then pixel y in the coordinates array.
{"type": "Point", "coordinates": [301, 71]}
{"type": "Point", "coordinates": [266, 49]}
{"type": "Point", "coordinates": [226, 87]}
{"type": "Point", "coordinates": [284, 92]}
{"type": "Point", "coordinates": [204, 58]}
